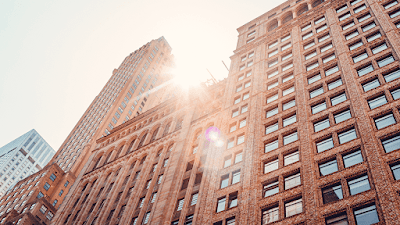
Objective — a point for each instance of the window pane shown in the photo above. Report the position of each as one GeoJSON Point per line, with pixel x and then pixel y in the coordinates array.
{"type": "Point", "coordinates": [288, 91]}
{"type": "Point", "coordinates": [366, 216]}
{"type": "Point", "coordinates": [271, 188]}
{"type": "Point", "coordinates": [328, 167]}
{"type": "Point", "coordinates": [324, 145]}
{"type": "Point", "coordinates": [359, 9]}
{"type": "Point", "coordinates": [337, 220]}
{"type": "Point", "coordinates": [235, 177]}
{"type": "Point", "coordinates": [344, 16]}
{"type": "Point", "coordinates": [309, 56]}
{"type": "Point", "coordinates": [270, 166]}
{"type": "Point", "coordinates": [291, 158]}
{"type": "Point", "coordinates": [342, 116]}
{"type": "Point", "coordinates": [290, 138]}
{"type": "Point", "coordinates": [272, 98]}
{"type": "Point", "coordinates": [396, 171]}
{"type": "Point", "coordinates": [394, 14]}
{"type": "Point", "coordinates": [374, 36]}
{"type": "Point", "coordinates": [289, 105]}
{"type": "Point", "coordinates": [292, 181]}
{"type": "Point", "coordinates": [347, 26]}
{"type": "Point", "coordinates": [309, 45]}
{"type": "Point", "coordinates": [307, 35]}
{"type": "Point", "coordinates": [360, 57]}
{"type": "Point", "coordinates": [326, 47]}
{"type": "Point", "coordinates": [221, 205]}
{"type": "Point", "coordinates": [285, 57]}
{"type": "Point", "coordinates": [271, 146]}
{"type": "Point", "coordinates": [367, 16]}
{"type": "Point", "coordinates": [379, 48]}
{"type": "Point", "coordinates": [271, 128]}
{"type": "Point", "coordinates": [385, 121]}
{"type": "Point", "coordinates": [318, 108]}
{"type": "Point", "coordinates": [391, 144]}
{"type": "Point", "coordinates": [371, 85]}
{"type": "Point", "coordinates": [319, 29]}
{"type": "Point", "coordinates": [376, 102]}
{"type": "Point", "coordinates": [323, 38]}
{"type": "Point", "coordinates": [390, 4]}
{"type": "Point", "coordinates": [286, 46]}
{"type": "Point", "coordinates": [319, 20]}
{"type": "Point", "coordinates": [351, 35]}
{"type": "Point", "coordinates": [355, 45]}
{"type": "Point", "coordinates": [287, 78]}
{"type": "Point", "coordinates": [238, 157]}
{"type": "Point", "coordinates": [321, 125]}
{"type": "Point", "coordinates": [359, 185]}
{"type": "Point", "coordinates": [331, 71]}
{"type": "Point", "coordinates": [392, 76]}
{"type": "Point", "coordinates": [365, 70]}
{"type": "Point", "coordinates": [352, 159]}
{"type": "Point", "coordinates": [294, 207]}
{"type": "Point", "coordinates": [272, 112]}
{"type": "Point", "coordinates": [338, 99]}
{"type": "Point", "coordinates": [342, 8]}
{"type": "Point", "coordinates": [290, 120]}
{"type": "Point", "coordinates": [335, 84]}
{"type": "Point", "coordinates": [332, 194]}
{"type": "Point", "coordinates": [270, 215]}
{"type": "Point", "coordinates": [312, 66]}
{"type": "Point", "coordinates": [385, 61]}
{"type": "Point", "coordinates": [306, 27]}
{"type": "Point", "coordinates": [314, 78]}
{"type": "Point", "coordinates": [347, 136]}
{"type": "Point", "coordinates": [316, 92]}
{"type": "Point", "coordinates": [224, 181]}
{"type": "Point", "coordinates": [329, 58]}
{"type": "Point", "coordinates": [395, 94]}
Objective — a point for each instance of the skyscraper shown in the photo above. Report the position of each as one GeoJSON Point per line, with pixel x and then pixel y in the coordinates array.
{"type": "Point", "coordinates": [20, 158]}
{"type": "Point", "coordinates": [305, 130]}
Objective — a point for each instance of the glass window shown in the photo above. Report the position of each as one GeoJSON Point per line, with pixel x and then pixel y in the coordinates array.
{"type": "Point", "coordinates": [335, 84]}
{"type": "Point", "coordinates": [271, 188]}
{"type": "Point", "coordinates": [288, 91]}
{"type": "Point", "coordinates": [321, 28]}
{"type": "Point", "coordinates": [246, 96]}
{"type": "Point", "coordinates": [273, 53]}
{"type": "Point", "coordinates": [310, 34]}
{"type": "Point", "coordinates": [355, 45]}
{"type": "Point", "coordinates": [310, 55]}
{"type": "Point", "coordinates": [180, 204]}
{"type": "Point", "coordinates": [293, 207]}
{"type": "Point", "coordinates": [308, 26]}
{"type": "Point", "coordinates": [240, 139]}
{"type": "Point", "coordinates": [385, 61]}
{"type": "Point", "coordinates": [239, 88]}
{"type": "Point", "coordinates": [314, 78]}
{"type": "Point", "coordinates": [241, 77]}
{"type": "Point", "coordinates": [287, 56]}
{"type": "Point", "coordinates": [244, 109]}
{"type": "Point", "coordinates": [340, 117]}
{"type": "Point", "coordinates": [347, 136]}
{"type": "Point", "coordinates": [309, 45]}
{"type": "Point", "coordinates": [318, 108]}
{"type": "Point", "coordinates": [351, 35]}
{"type": "Point", "coordinates": [392, 75]}
{"type": "Point", "coordinates": [355, 2]}
{"type": "Point", "coordinates": [395, 94]}
{"type": "Point", "coordinates": [289, 104]}
{"type": "Point", "coordinates": [232, 128]}
{"type": "Point", "coordinates": [396, 171]}
{"type": "Point", "coordinates": [374, 36]}
{"type": "Point", "coordinates": [286, 67]}
{"type": "Point", "coordinates": [321, 125]}
{"type": "Point", "coordinates": [238, 157]}
{"type": "Point", "coordinates": [291, 158]}
{"type": "Point", "coordinates": [274, 73]}
{"type": "Point", "coordinates": [273, 44]}
{"type": "Point", "coordinates": [342, 8]}
{"type": "Point", "coordinates": [394, 14]}
{"type": "Point", "coordinates": [235, 113]}
{"type": "Point", "coordinates": [376, 102]}
{"type": "Point", "coordinates": [269, 87]}
{"type": "Point", "coordinates": [323, 38]}
{"type": "Point", "coordinates": [393, 3]}
{"type": "Point", "coordinates": [224, 181]}
{"type": "Point", "coordinates": [328, 167]}
{"type": "Point", "coordinates": [337, 220]}
{"type": "Point", "coordinates": [221, 204]}
{"type": "Point", "coordinates": [285, 38]}
{"type": "Point", "coordinates": [360, 8]}
{"type": "Point", "coordinates": [312, 66]}
{"type": "Point", "coordinates": [288, 45]}
{"type": "Point", "coordinates": [360, 57]}
{"type": "Point", "coordinates": [348, 25]}
{"type": "Point", "coordinates": [338, 99]}
{"type": "Point", "coordinates": [329, 58]}
{"type": "Point", "coordinates": [271, 166]}
{"type": "Point", "coordinates": [319, 20]}
{"type": "Point", "coordinates": [324, 145]}
{"type": "Point", "coordinates": [359, 185]}
{"type": "Point", "coordinates": [352, 158]}
{"type": "Point", "coordinates": [344, 16]}
{"type": "Point", "coordinates": [230, 144]}
{"type": "Point", "coordinates": [332, 193]}
{"type": "Point", "coordinates": [365, 17]}
{"type": "Point", "coordinates": [290, 138]}
{"type": "Point", "coordinates": [227, 161]}
{"type": "Point", "coordinates": [366, 215]}
{"type": "Point", "coordinates": [271, 128]}
{"type": "Point", "coordinates": [292, 181]}
{"type": "Point", "coordinates": [365, 70]}
{"type": "Point", "coordinates": [290, 120]}
{"type": "Point", "coordinates": [270, 215]}
{"type": "Point", "coordinates": [379, 48]}
{"type": "Point", "coordinates": [371, 85]}
{"type": "Point", "coordinates": [272, 98]}
{"type": "Point", "coordinates": [272, 112]}
{"type": "Point", "coordinates": [326, 47]}
{"type": "Point", "coordinates": [242, 123]}
{"type": "Point", "coordinates": [235, 177]}
{"type": "Point", "coordinates": [271, 146]}
{"type": "Point", "coordinates": [384, 121]}
{"type": "Point", "coordinates": [316, 92]}
{"type": "Point", "coordinates": [331, 71]}
{"type": "Point", "coordinates": [237, 100]}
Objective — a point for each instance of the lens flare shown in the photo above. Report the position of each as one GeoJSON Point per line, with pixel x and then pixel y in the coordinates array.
{"type": "Point", "coordinates": [213, 134]}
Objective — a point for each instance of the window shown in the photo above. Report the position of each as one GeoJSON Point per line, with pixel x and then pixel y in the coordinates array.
{"type": "Point", "coordinates": [250, 40]}
{"type": "Point", "coordinates": [384, 121]}
{"type": "Point", "coordinates": [308, 26]}
{"type": "Point", "coordinates": [194, 199]}
{"type": "Point", "coordinates": [348, 25]}
{"type": "Point", "coordinates": [312, 66]}
{"type": "Point", "coordinates": [358, 185]}
{"type": "Point", "coordinates": [273, 44]}
{"type": "Point", "coordinates": [347, 136]}
{"type": "Point", "coordinates": [287, 78]}
{"type": "Point", "coordinates": [366, 215]}
{"type": "Point", "coordinates": [247, 84]}
{"type": "Point", "coordinates": [293, 207]}
{"type": "Point", "coordinates": [224, 181]}
{"type": "Point", "coordinates": [290, 120]}
{"type": "Point", "coordinates": [238, 157]}
{"type": "Point", "coordinates": [342, 8]}
{"type": "Point", "coordinates": [180, 204]}
{"type": "Point", "coordinates": [286, 46]}
{"type": "Point", "coordinates": [324, 145]}
{"type": "Point", "coordinates": [61, 192]}
{"type": "Point", "coordinates": [374, 36]}
{"type": "Point", "coordinates": [329, 58]}
{"type": "Point", "coordinates": [240, 139]}
{"type": "Point", "coordinates": [232, 128]}
{"type": "Point", "coordinates": [272, 74]}
{"type": "Point", "coordinates": [316, 92]}
{"type": "Point", "coordinates": [230, 143]}
{"type": "Point", "coordinates": [338, 99]}
{"type": "Point", "coordinates": [272, 98]}
{"type": "Point", "coordinates": [287, 56]}
{"type": "Point", "coordinates": [385, 61]}
{"type": "Point", "coordinates": [344, 16]}
{"type": "Point", "coordinates": [360, 57]}
{"type": "Point", "coordinates": [392, 75]}
{"type": "Point", "coordinates": [335, 84]}
{"type": "Point", "coordinates": [53, 177]}
{"type": "Point", "coordinates": [271, 166]}
{"type": "Point", "coordinates": [318, 108]}
{"type": "Point", "coordinates": [237, 100]}
{"type": "Point", "coordinates": [321, 28]}
{"type": "Point", "coordinates": [273, 53]}
{"type": "Point", "coordinates": [376, 102]}
{"type": "Point", "coordinates": [40, 195]}
{"type": "Point", "coordinates": [394, 14]}
{"type": "Point", "coordinates": [272, 146]}
{"type": "Point", "coordinates": [249, 63]}
{"type": "Point", "coordinates": [242, 123]}
{"type": "Point", "coordinates": [321, 125]}
{"type": "Point", "coordinates": [351, 35]}
{"type": "Point", "coordinates": [43, 209]}
{"type": "Point", "coordinates": [146, 218]}
{"type": "Point", "coordinates": [221, 204]}
{"type": "Point", "coordinates": [244, 109]}
{"type": "Point", "coordinates": [360, 8]}
{"type": "Point", "coordinates": [364, 70]}
{"type": "Point", "coordinates": [309, 45]}
{"type": "Point", "coordinates": [233, 200]}
{"type": "Point", "coordinates": [371, 85]}
{"type": "Point", "coordinates": [46, 186]}
{"type": "Point", "coordinates": [272, 63]}
{"type": "Point", "coordinates": [271, 188]}
{"type": "Point", "coordinates": [287, 37]}
{"type": "Point", "coordinates": [153, 197]}
{"type": "Point", "coordinates": [49, 216]}
{"type": "Point", "coordinates": [239, 88]}
{"type": "Point", "coordinates": [270, 215]}
{"type": "Point", "coordinates": [227, 161]}
{"type": "Point", "coordinates": [269, 87]}
{"type": "Point", "coordinates": [288, 105]}
{"type": "Point", "coordinates": [309, 34]}
{"type": "Point", "coordinates": [241, 77]}
{"type": "Point", "coordinates": [290, 138]}
{"type": "Point", "coordinates": [292, 181]}
{"type": "Point", "coordinates": [54, 202]}
{"type": "Point", "coordinates": [379, 48]}
{"type": "Point", "coordinates": [337, 220]}
{"type": "Point", "coordinates": [332, 193]}
{"type": "Point", "coordinates": [235, 177]}
{"type": "Point", "coordinates": [271, 128]}
{"type": "Point", "coordinates": [251, 33]}
{"type": "Point", "coordinates": [286, 67]}
{"type": "Point", "coordinates": [355, 45]}
{"type": "Point", "coordinates": [235, 113]}
{"type": "Point", "coordinates": [352, 158]}
{"type": "Point", "coordinates": [326, 47]}
{"type": "Point", "coordinates": [328, 167]}
{"type": "Point", "coordinates": [340, 117]}
{"type": "Point", "coordinates": [396, 171]}
{"type": "Point", "coordinates": [365, 17]}
{"type": "Point", "coordinates": [393, 3]}
{"type": "Point", "coordinates": [272, 112]}
{"type": "Point", "coordinates": [395, 94]}
{"type": "Point", "coordinates": [288, 91]}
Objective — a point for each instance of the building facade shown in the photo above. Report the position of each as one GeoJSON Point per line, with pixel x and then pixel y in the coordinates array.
{"type": "Point", "coordinates": [305, 130]}
{"type": "Point", "coordinates": [22, 157]}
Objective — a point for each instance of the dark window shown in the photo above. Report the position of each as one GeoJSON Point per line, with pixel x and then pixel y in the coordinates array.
{"type": "Point", "coordinates": [40, 195]}
{"type": "Point", "coordinates": [332, 193]}
{"type": "Point", "coordinates": [61, 192]}
{"type": "Point", "coordinates": [66, 184]}
{"type": "Point", "coordinates": [185, 184]}
{"type": "Point", "coordinates": [52, 177]}
{"type": "Point", "coordinates": [46, 186]}
{"type": "Point", "coordinates": [337, 220]}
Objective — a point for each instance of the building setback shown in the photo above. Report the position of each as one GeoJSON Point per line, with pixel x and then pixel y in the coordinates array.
{"type": "Point", "coordinates": [304, 131]}
{"type": "Point", "coordinates": [22, 157]}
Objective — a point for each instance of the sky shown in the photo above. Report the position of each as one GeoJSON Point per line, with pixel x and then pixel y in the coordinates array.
{"type": "Point", "coordinates": [56, 56]}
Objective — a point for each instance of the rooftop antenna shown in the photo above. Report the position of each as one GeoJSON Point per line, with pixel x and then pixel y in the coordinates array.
{"type": "Point", "coordinates": [213, 79]}
{"type": "Point", "coordinates": [225, 65]}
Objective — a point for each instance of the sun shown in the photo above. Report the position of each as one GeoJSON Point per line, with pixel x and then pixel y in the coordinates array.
{"type": "Point", "coordinates": [184, 79]}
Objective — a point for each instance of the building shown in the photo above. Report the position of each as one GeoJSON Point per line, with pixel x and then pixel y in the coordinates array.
{"type": "Point", "coordinates": [305, 130]}
{"type": "Point", "coordinates": [22, 157]}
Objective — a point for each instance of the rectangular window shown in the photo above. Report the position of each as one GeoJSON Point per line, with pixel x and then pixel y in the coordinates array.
{"type": "Point", "coordinates": [271, 188]}
{"type": "Point", "coordinates": [270, 215]}
{"type": "Point", "coordinates": [273, 44]}
{"type": "Point", "coordinates": [310, 34]}
{"type": "Point", "coordinates": [272, 63]}
{"type": "Point", "coordinates": [272, 98]}
{"type": "Point", "coordinates": [376, 102]}
{"type": "Point", "coordinates": [272, 112]}
{"type": "Point", "coordinates": [269, 87]}
{"type": "Point", "coordinates": [291, 158]}
{"type": "Point", "coordinates": [146, 218]}
{"type": "Point", "coordinates": [391, 144]}
{"type": "Point", "coordinates": [352, 158]}
{"type": "Point", "coordinates": [365, 17]}
{"type": "Point", "coordinates": [290, 120]}
{"type": "Point", "coordinates": [235, 113]}
{"type": "Point", "coordinates": [242, 123]}
{"type": "Point", "coordinates": [46, 186]}
{"type": "Point", "coordinates": [310, 55]}
{"type": "Point", "coordinates": [328, 167]}
{"type": "Point", "coordinates": [53, 177]}
{"type": "Point", "coordinates": [244, 109]}
{"type": "Point", "coordinates": [240, 139]}
{"type": "Point", "coordinates": [312, 66]}
{"type": "Point", "coordinates": [321, 28]}
{"type": "Point", "coordinates": [236, 101]}
{"type": "Point", "coordinates": [360, 8]}
{"type": "Point", "coordinates": [358, 185]}
{"type": "Point", "coordinates": [287, 78]}
{"type": "Point", "coordinates": [366, 215]}
{"type": "Point", "coordinates": [271, 166]}
{"type": "Point", "coordinates": [227, 161]}
{"type": "Point", "coordinates": [235, 177]}
{"type": "Point", "coordinates": [338, 99]}
{"type": "Point", "coordinates": [273, 53]}
{"type": "Point", "coordinates": [355, 45]}
{"type": "Point", "coordinates": [247, 84]}
{"type": "Point", "coordinates": [396, 171]}
{"type": "Point", "coordinates": [319, 20]}
{"type": "Point", "coordinates": [371, 85]}
{"type": "Point", "coordinates": [239, 88]}
{"type": "Point", "coordinates": [286, 38]}
{"type": "Point", "coordinates": [318, 108]}
{"type": "Point", "coordinates": [286, 67]}
{"type": "Point", "coordinates": [374, 36]}
{"type": "Point", "coordinates": [331, 71]}
{"type": "Point", "coordinates": [337, 220]}
{"type": "Point", "coordinates": [289, 104]}
{"type": "Point", "coordinates": [180, 204]}
{"type": "Point", "coordinates": [309, 45]}
{"type": "Point", "coordinates": [332, 193]}
{"type": "Point", "coordinates": [348, 25]}
{"type": "Point", "coordinates": [321, 125]}
{"type": "Point", "coordinates": [384, 121]}
{"type": "Point", "coordinates": [385, 61]}
{"type": "Point", "coordinates": [287, 56]}
{"type": "Point", "coordinates": [288, 91]}
{"type": "Point", "coordinates": [342, 8]}
{"type": "Point", "coordinates": [365, 70]}
{"type": "Point", "coordinates": [251, 33]}
{"type": "Point", "coordinates": [308, 26]}
{"type": "Point", "coordinates": [246, 96]}
{"type": "Point", "coordinates": [344, 16]}
{"type": "Point", "coordinates": [286, 46]}
{"type": "Point", "coordinates": [274, 145]}
{"type": "Point", "coordinates": [329, 58]}
{"type": "Point", "coordinates": [360, 57]}
{"type": "Point", "coordinates": [233, 200]}
{"type": "Point", "coordinates": [394, 14]}
{"type": "Point", "coordinates": [290, 138]}
{"type": "Point", "coordinates": [316, 92]}
{"type": "Point", "coordinates": [392, 75]}
{"type": "Point", "coordinates": [352, 35]}
{"type": "Point", "coordinates": [335, 84]}
{"type": "Point", "coordinates": [274, 73]}
{"type": "Point", "coordinates": [395, 94]}
{"type": "Point", "coordinates": [347, 136]}
{"type": "Point", "coordinates": [326, 47]}
{"type": "Point", "coordinates": [293, 207]}
{"type": "Point", "coordinates": [194, 199]}
{"type": "Point", "coordinates": [324, 145]}
{"type": "Point", "coordinates": [393, 3]}
{"type": "Point", "coordinates": [230, 144]}
{"type": "Point", "coordinates": [340, 117]}
{"type": "Point", "coordinates": [271, 128]}
{"type": "Point", "coordinates": [221, 204]}
{"type": "Point", "coordinates": [379, 48]}
{"type": "Point", "coordinates": [238, 157]}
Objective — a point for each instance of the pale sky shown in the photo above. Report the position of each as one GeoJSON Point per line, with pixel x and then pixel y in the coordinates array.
{"type": "Point", "coordinates": [56, 56]}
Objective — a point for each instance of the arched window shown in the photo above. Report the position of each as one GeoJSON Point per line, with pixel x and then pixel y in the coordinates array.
{"type": "Point", "coordinates": [317, 3]}
{"type": "Point", "coordinates": [142, 141]}
{"type": "Point", "coordinates": [179, 124]}
{"type": "Point", "coordinates": [166, 129]}
{"type": "Point", "coordinates": [154, 136]}
{"type": "Point", "coordinates": [288, 17]}
{"type": "Point", "coordinates": [302, 9]}
{"type": "Point", "coordinates": [273, 25]}
{"type": "Point", "coordinates": [130, 148]}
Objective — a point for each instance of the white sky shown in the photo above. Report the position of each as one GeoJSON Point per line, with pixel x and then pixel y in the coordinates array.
{"type": "Point", "coordinates": [55, 56]}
